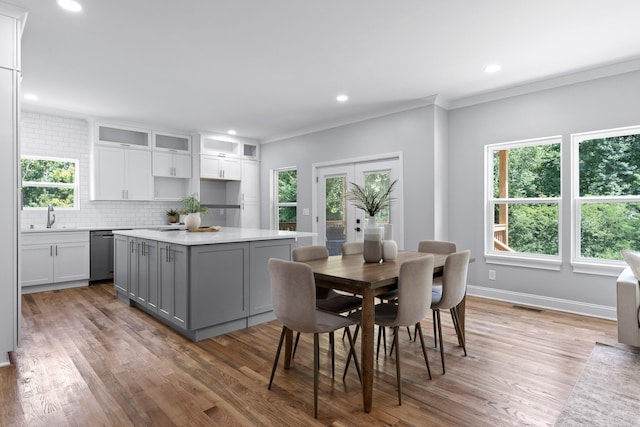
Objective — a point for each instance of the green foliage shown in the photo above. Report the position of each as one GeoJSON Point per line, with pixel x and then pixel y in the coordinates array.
{"type": "Point", "coordinates": [39, 179]}
{"type": "Point", "coordinates": [335, 198]}
{"type": "Point", "coordinates": [287, 193]}
{"type": "Point", "coordinates": [172, 212]}
{"type": "Point", "coordinates": [607, 228]}
{"type": "Point", "coordinates": [533, 228]}
{"type": "Point", "coordinates": [534, 171]}
{"type": "Point", "coordinates": [191, 204]}
{"type": "Point", "coordinates": [610, 166]}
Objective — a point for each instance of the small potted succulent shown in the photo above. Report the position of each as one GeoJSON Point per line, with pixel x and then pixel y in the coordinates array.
{"type": "Point", "coordinates": [173, 216]}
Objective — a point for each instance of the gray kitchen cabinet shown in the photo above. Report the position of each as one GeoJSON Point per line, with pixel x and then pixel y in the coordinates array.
{"type": "Point", "coordinates": [54, 257]}
{"type": "Point", "coordinates": [144, 273]}
{"type": "Point", "coordinates": [219, 284]}
{"type": "Point", "coordinates": [260, 287]}
{"type": "Point", "coordinates": [173, 280]}
{"type": "Point", "coordinates": [121, 250]}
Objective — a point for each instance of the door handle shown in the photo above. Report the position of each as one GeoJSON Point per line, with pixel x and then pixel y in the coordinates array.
{"type": "Point", "coordinates": [358, 229]}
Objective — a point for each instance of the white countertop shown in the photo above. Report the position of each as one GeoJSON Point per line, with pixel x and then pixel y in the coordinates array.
{"type": "Point", "coordinates": [225, 235]}
{"type": "Point", "coordinates": [116, 227]}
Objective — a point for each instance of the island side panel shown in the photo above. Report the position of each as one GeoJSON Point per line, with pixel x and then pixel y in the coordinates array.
{"type": "Point", "coordinates": [219, 284]}
{"type": "Point", "coordinates": [260, 288]}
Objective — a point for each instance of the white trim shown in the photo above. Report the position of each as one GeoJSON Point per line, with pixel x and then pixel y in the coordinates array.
{"type": "Point", "coordinates": [612, 269]}
{"type": "Point", "coordinates": [520, 260]}
{"type": "Point", "coordinates": [397, 108]}
{"type": "Point", "coordinates": [568, 306]}
{"type": "Point", "coordinates": [548, 83]}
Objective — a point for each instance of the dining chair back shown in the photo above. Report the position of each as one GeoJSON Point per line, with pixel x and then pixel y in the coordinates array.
{"type": "Point", "coordinates": [454, 288]}
{"type": "Point", "coordinates": [436, 246]}
{"type": "Point", "coordinates": [294, 305]}
{"type": "Point", "coordinates": [413, 302]}
{"type": "Point", "coordinates": [350, 248]}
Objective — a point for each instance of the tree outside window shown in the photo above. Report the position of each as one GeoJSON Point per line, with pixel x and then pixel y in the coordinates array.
{"type": "Point", "coordinates": [524, 198]}
{"type": "Point", "coordinates": [607, 193]}
{"type": "Point", "coordinates": [286, 194]}
{"type": "Point", "coordinates": [49, 181]}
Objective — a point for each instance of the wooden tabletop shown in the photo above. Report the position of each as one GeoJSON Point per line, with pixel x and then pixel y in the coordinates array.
{"type": "Point", "coordinates": [350, 272]}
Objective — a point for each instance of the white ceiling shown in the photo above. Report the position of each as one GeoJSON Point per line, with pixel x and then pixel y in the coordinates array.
{"type": "Point", "coordinates": [272, 68]}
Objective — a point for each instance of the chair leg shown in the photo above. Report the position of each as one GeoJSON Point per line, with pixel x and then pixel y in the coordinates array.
{"type": "Point", "coordinates": [316, 358]}
{"type": "Point", "coordinates": [380, 335]}
{"type": "Point", "coordinates": [275, 362]}
{"type": "Point", "coordinates": [333, 355]}
{"type": "Point", "coordinates": [399, 378]}
{"type": "Point", "coordinates": [456, 324]}
{"type": "Point", "coordinates": [295, 345]}
{"type": "Point", "coordinates": [424, 351]}
{"type": "Point", "coordinates": [355, 337]}
{"type": "Point", "coordinates": [440, 338]}
{"type": "Point", "coordinates": [352, 353]}
{"type": "Point", "coordinates": [435, 333]}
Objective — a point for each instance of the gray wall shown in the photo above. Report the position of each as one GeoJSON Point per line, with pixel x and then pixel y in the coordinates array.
{"type": "Point", "coordinates": [411, 132]}
{"type": "Point", "coordinates": [594, 105]}
{"type": "Point", "coordinates": [444, 176]}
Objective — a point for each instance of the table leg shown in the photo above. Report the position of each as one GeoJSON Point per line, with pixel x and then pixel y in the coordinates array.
{"type": "Point", "coordinates": [366, 355]}
{"type": "Point", "coordinates": [288, 348]}
{"type": "Point", "coordinates": [460, 309]}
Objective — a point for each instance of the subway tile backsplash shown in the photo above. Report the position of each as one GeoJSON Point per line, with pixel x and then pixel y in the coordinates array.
{"type": "Point", "coordinates": [68, 137]}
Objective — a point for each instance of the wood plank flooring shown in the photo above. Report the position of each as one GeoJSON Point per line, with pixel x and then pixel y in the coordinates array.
{"type": "Point", "coordinates": [88, 359]}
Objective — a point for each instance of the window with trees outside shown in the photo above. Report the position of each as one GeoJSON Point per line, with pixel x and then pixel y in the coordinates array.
{"type": "Point", "coordinates": [49, 181]}
{"type": "Point", "coordinates": [606, 195]}
{"type": "Point", "coordinates": [524, 202]}
{"type": "Point", "coordinates": [285, 199]}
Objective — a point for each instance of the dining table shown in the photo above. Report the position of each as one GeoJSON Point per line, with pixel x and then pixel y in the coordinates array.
{"type": "Point", "coordinates": [350, 273]}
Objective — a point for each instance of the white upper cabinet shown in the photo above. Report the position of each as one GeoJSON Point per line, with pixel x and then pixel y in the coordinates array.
{"type": "Point", "coordinates": [219, 147]}
{"type": "Point", "coordinates": [171, 165]}
{"type": "Point", "coordinates": [127, 137]}
{"type": "Point", "coordinates": [220, 168]}
{"type": "Point", "coordinates": [122, 174]}
{"type": "Point", "coordinates": [171, 142]}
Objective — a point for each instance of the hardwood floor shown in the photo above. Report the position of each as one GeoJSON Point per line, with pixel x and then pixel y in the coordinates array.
{"type": "Point", "coordinates": [88, 359]}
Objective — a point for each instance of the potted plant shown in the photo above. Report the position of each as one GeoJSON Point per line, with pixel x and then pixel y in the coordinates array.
{"type": "Point", "coordinates": [371, 201]}
{"type": "Point", "coordinates": [192, 206]}
{"type": "Point", "coordinates": [173, 216]}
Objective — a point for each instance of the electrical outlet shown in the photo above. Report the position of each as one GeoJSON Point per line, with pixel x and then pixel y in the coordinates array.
{"type": "Point", "coordinates": [305, 211]}
{"type": "Point", "coordinates": [492, 275]}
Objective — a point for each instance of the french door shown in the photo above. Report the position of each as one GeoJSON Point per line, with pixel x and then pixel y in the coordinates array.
{"type": "Point", "coordinates": [338, 220]}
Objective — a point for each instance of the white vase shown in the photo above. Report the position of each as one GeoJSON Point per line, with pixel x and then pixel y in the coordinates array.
{"type": "Point", "coordinates": [389, 250]}
{"type": "Point", "coordinates": [193, 220]}
{"type": "Point", "coordinates": [372, 250]}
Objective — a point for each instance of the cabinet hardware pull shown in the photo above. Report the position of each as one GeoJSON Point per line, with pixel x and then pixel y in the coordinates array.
{"type": "Point", "coordinates": [56, 250]}
{"type": "Point", "coordinates": [51, 250]}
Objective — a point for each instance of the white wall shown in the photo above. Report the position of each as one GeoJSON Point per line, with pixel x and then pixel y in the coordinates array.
{"type": "Point", "coordinates": [598, 104]}
{"type": "Point", "coordinates": [68, 137]}
{"type": "Point", "coordinates": [411, 132]}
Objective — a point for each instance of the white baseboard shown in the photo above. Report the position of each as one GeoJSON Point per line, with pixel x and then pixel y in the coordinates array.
{"type": "Point", "coordinates": [53, 286]}
{"type": "Point", "coordinates": [576, 307]}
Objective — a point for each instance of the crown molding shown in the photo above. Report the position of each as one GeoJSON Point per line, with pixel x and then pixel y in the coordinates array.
{"type": "Point", "coordinates": [396, 108]}
{"type": "Point", "coordinates": [548, 83]}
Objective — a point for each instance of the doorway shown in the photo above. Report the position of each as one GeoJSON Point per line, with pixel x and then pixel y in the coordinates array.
{"type": "Point", "coordinates": [337, 220]}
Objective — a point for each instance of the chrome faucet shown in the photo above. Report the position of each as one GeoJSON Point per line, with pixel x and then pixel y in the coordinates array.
{"type": "Point", "coordinates": [51, 218]}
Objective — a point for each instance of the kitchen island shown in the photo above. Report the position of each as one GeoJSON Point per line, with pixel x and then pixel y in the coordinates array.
{"type": "Point", "coordinates": [202, 284]}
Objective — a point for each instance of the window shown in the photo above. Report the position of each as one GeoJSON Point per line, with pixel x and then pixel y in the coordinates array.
{"type": "Point", "coordinates": [606, 196]}
{"type": "Point", "coordinates": [523, 208]}
{"type": "Point", "coordinates": [285, 199]}
{"type": "Point", "coordinates": [49, 181]}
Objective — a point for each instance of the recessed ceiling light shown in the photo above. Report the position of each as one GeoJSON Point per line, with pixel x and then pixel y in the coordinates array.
{"type": "Point", "coordinates": [31, 97]}
{"type": "Point", "coordinates": [231, 132]}
{"type": "Point", "coordinates": [492, 68]}
{"type": "Point", "coordinates": [70, 5]}
{"type": "Point", "coordinates": [342, 98]}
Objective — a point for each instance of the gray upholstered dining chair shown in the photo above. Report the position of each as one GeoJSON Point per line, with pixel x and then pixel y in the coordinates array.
{"type": "Point", "coordinates": [454, 287]}
{"type": "Point", "coordinates": [436, 247]}
{"type": "Point", "coordinates": [414, 299]}
{"type": "Point", "coordinates": [293, 294]}
{"type": "Point", "coordinates": [326, 299]}
{"type": "Point", "coordinates": [351, 248]}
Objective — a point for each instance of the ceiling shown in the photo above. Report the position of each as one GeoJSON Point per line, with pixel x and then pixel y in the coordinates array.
{"type": "Point", "coordinates": [273, 68]}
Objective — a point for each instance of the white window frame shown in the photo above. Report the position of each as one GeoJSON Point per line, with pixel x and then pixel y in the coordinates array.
{"type": "Point", "coordinates": [275, 220]}
{"type": "Point", "coordinates": [519, 259]}
{"type": "Point", "coordinates": [578, 263]}
{"type": "Point", "coordinates": [75, 185]}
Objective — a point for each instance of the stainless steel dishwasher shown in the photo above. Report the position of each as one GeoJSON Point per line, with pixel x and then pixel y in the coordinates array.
{"type": "Point", "coordinates": [101, 255]}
